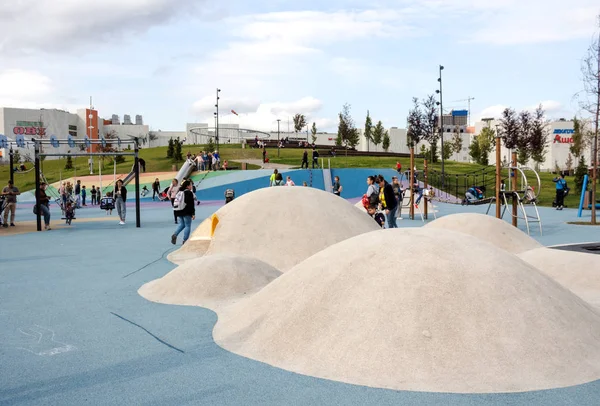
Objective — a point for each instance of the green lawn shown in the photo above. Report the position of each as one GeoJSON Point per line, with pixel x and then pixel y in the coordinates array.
{"type": "Point", "coordinates": [156, 161]}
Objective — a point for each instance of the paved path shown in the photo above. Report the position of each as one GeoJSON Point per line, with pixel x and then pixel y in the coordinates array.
{"type": "Point", "coordinates": [268, 165]}
{"type": "Point", "coordinates": [74, 331]}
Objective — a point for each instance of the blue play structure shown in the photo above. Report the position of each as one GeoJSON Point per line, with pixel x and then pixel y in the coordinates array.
{"type": "Point", "coordinates": [583, 192]}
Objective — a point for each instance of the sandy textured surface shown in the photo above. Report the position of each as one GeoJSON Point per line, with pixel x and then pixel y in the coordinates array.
{"type": "Point", "coordinates": [211, 281]}
{"type": "Point", "coordinates": [381, 310]}
{"type": "Point", "coordinates": [282, 226]}
{"type": "Point", "coordinates": [578, 272]}
{"type": "Point", "coordinates": [195, 247]}
{"type": "Point", "coordinates": [497, 232]}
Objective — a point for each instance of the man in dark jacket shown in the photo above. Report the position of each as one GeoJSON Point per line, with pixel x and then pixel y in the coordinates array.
{"type": "Point", "coordinates": [388, 201]}
{"type": "Point", "coordinates": [305, 159]}
{"type": "Point", "coordinates": [184, 209]}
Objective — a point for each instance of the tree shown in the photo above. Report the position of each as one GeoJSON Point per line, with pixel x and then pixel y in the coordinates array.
{"type": "Point", "coordinates": [424, 151]}
{"type": "Point", "coordinates": [486, 144]}
{"type": "Point", "coordinates": [430, 121]}
{"type": "Point", "coordinates": [509, 123]}
{"type": "Point", "coordinates": [447, 151]}
{"type": "Point", "coordinates": [386, 141]}
{"type": "Point", "coordinates": [474, 151]}
{"type": "Point", "coordinates": [378, 132]}
{"type": "Point", "coordinates": [591, 104]}
{"type": "Point", "coordinates": [414, 123]}
{"type": "Point", "coordinates": [368, 129]}
{"type": "Point", "coordinates": [457, 142]}
{"type": "Point", "coordinates": [557, 169]}
{"type": "Point", "coordinates": [211, 144]}
{"type": "Point", "coordinates": [525, 128]}
{"type": "Point", "coordinates": [170, 149]}
{"type": "Point", "coordinates": [347, 132]}
{"type": "Point", "coordinates": [569, 164]}
{"type": "Point", "coordinates": [579, 137]}
{"type": "Point", "coordinates": [16, 156]}
{"type": "Point", "coordinates": [299, 122]}
{"type": "Point", "coordinates": [313, 131]}
{"type": "Point", "coordinates": [538, 138]}
{"type": "Point", "coordinates": [580, 172]}
{"type": "Point", "coordinates": [177, 154]}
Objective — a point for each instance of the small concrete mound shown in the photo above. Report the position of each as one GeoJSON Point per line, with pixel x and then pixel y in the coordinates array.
{"type": "Point", "coordinates": [578, 272]}
{"type": "Point", "coordinates": [497, 232]}
{"type": "Point", "coordinates": [283, 226]}
{"type": "Point", "coordinates": [419, 309]}
{"type": "Point", "coordinates": [211, 281]}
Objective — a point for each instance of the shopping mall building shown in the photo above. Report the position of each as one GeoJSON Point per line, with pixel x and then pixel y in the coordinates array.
{"type": "Point", "coordinates": [43, 123]}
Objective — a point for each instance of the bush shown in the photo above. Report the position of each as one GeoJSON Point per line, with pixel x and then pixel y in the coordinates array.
{"type": "Point", "coordinates": [177, 154]}
{"type": "Point", "coordinates": [69, 163]}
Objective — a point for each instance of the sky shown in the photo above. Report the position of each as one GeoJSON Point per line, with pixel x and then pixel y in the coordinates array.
{"type": "Point", "coordinates": [164, 59]}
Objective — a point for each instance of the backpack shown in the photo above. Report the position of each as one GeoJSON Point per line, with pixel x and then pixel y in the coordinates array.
{"type": "Point", "coordinates": [373, 199]}
{"type": "Point", "coordinates": [179, 203]}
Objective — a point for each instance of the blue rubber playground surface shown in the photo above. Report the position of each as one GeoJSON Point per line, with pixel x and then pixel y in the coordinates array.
{"type": "Point", "coordinates": [74, 331]}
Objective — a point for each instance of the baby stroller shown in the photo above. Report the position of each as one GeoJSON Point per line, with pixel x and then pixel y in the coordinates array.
{"type": "Point", "coordinates": [163, 196]}
{"type": "Point", "coordinates": [229, 195]}
{"type": "Point", "coordinates": [473, 195]}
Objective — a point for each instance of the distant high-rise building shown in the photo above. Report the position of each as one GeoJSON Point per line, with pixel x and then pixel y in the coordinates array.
{"type": "Point", "coordinates": [139, 120]}
{"type": "Point", "coordinates": [115, 119]}
{"type": "Point", "coordinates": [126, 119]}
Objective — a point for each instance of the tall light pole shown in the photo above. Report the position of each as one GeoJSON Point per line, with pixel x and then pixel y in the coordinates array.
{"type": "Point", "coordinates": [442, 123]}
{"type": "Point", "coordinates": [278, 121]}
{"type": "Point", "coordinates": [217, 121]}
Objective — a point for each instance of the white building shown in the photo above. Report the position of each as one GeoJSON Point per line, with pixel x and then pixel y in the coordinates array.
{"type": "Point", "coordinates": [559, 141]}
{"type": "Point", "coordinates": [44, 123]}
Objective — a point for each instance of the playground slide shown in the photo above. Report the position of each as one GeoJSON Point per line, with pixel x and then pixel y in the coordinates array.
{"type": "Point", "coordinates": [186, 170]}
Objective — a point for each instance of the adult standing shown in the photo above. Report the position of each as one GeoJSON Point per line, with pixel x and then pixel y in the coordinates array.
{"type": "Point", "coordinates": [10, 192]}
{"type": "Point", "coordinates": [120, 199]}
{"type": "Point", "coordinates": [337, 186]}
{"type": "Point", "coordinates": [185, 210]}
{"type": "Point", "coordinates": [398, 193]}
{"type": "Point", "coordinates": [78, 194]}
{"type": "Point", "coordinates": [172, 193]}
{"type": "Point", "coordinates": [561, 185]}
{"type": "Point", "coordinates": [142, 164]}
{"type": "Point", "coordinates": [315, 157]}
{"type": "Point", "coordinates": [93, 193]}
{"type": "Point", "coordinates": [304, 159]}
{"type": "Point", "coordinates": [44, 201]}
{"type": "Point", "coordinates": [388, 201]}
{"type": "Point", "coordinates": [155, 188]}
{"type": "Point", "coordinates": [372, 191]}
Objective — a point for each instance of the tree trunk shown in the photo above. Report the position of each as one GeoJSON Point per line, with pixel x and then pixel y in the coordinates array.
{"type": "Point", "coordinates": [595, 174]}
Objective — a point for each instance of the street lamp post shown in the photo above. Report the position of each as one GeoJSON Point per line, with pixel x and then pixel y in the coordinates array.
{"type": "Point", "coordinates": [442, 123]}
{"type": "Point", "coordinates": [278, 121]}
{"type": "Point", "coordinates": [498, 170]}
{"type": "Point", "coordinates": [217, 116]}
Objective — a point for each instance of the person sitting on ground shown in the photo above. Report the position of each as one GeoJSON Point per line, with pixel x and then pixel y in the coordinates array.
{"type": "Point", "coordinates": [44, 202]}
{"type": "Point", "coordinates": [272, 178]}
{"type": "Point", "coordinates": [289, 181]}
{"type": "Point", "coordinates": [278, 180]}
{"type": "Point", "coordinates": [304, 184]}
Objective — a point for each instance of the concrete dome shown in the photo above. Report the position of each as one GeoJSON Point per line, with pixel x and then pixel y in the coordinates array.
{"type": "Point", "coordinates": [281, 226]}
{"type": "Point", "coordinates": [210, 281]}
{"type": "Point", "coordinates": [497, 232]}
{"type": "Point", "coordinates": [421, 309]}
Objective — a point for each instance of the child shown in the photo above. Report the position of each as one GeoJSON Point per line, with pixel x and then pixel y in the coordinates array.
{"type": "Point", "coordinates": [107, 203]}
{"type": "Point", "coordinates": [377, 216]}
{"type": "Point", "coordinates": [83, 195]}
{"type": "Point", "coordinates": [145, 191]}
{"type": "Point", "coordinates": [69, 212]}
{"type": "Point", "coordinates": [93, 192]}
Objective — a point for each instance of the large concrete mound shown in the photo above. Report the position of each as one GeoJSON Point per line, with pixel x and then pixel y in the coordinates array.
{"type": "Point", "coordinates": [419, 309]}
{"type": "Point", "coordinates": [497, 232]}
{"type": "Point", "coordinates": [210, 281]}
{"type": "Point", "coordinates": [283, 226]}
{"type": "Point", "coordinates": [578, 272]}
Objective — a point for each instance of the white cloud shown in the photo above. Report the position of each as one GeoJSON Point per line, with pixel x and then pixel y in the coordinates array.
{"type": "Point", "coordinates": [264, 117]}
{"type": "Point", "coordinates": [553, 110]}
{"type": "Point", "coordinates": [207, 105]}
{"type": "Point", "coordinates": [59, 26]}
{"type": "Point", "coordinates": [23, 86]}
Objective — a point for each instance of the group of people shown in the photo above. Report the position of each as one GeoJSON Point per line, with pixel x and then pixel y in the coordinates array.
{"type": "Point", "coordinates": [276, 179]}
{"type": "Point", "coordinates": [315, 158]}
{"type": "Point", "coordinates": [207, 161]}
